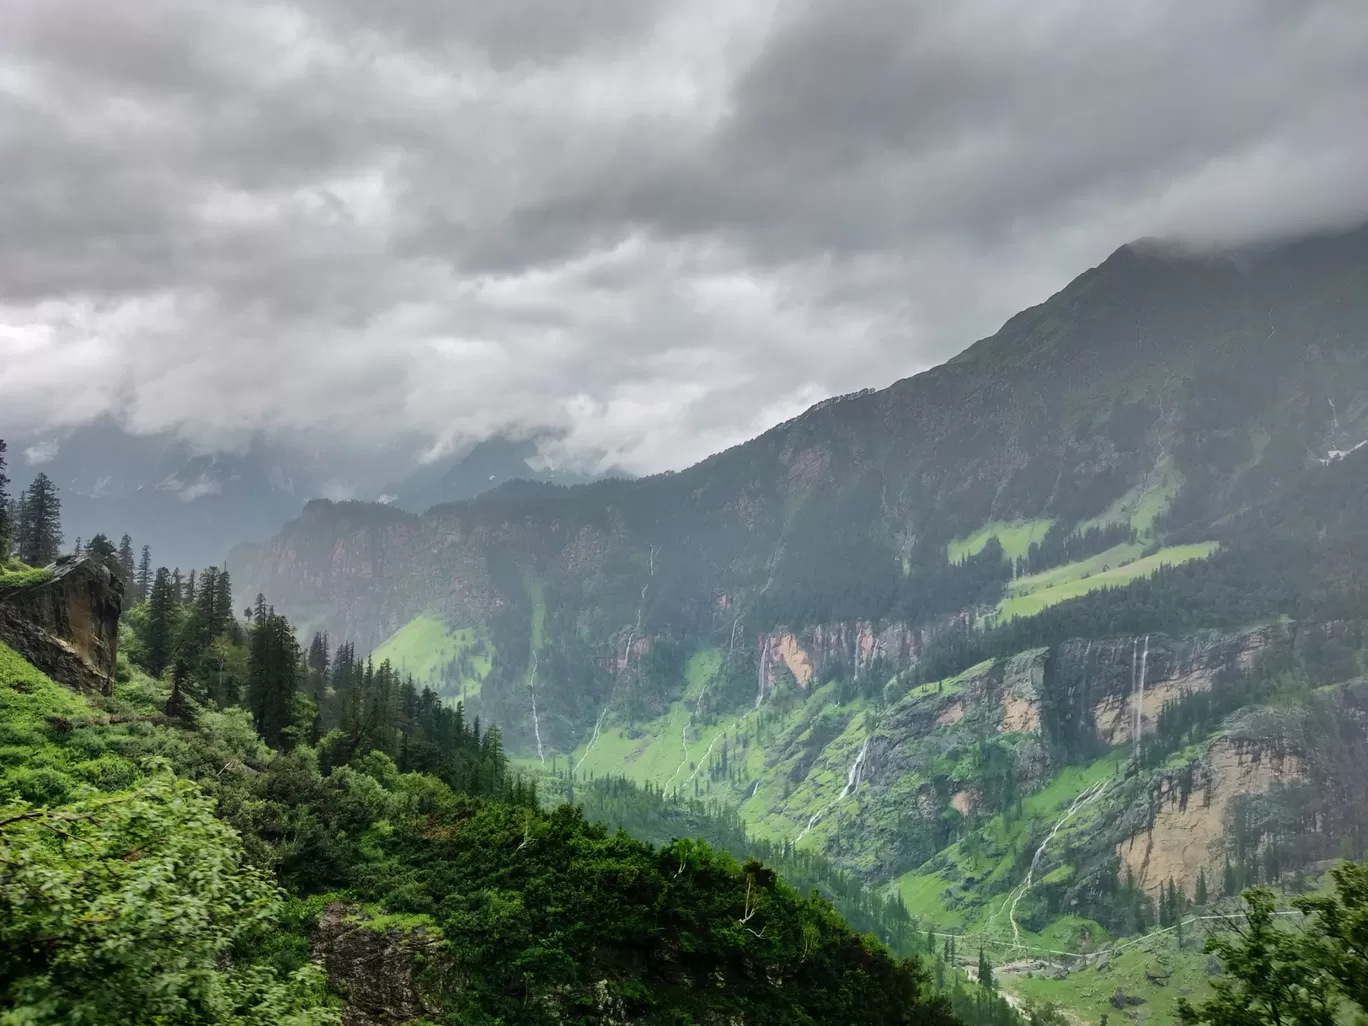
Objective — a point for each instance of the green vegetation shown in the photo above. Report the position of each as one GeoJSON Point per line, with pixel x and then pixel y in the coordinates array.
{"type": "Point", "coordinates": [16, 575]}
{"type": "Point", "coordinates": [111, 854]}
{"type": "Point", "coordinates": [455, 661]}
{"type": "Point", "coordinates": [1027, 596]}
{"type": "Point", "coordinates": [1015, 537]}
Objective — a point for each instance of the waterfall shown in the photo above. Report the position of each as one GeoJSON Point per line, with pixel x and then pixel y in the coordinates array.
{"type": "Point", "coordinates": [1140, 700]}
{"type": "Point", "coordinates": [1080, 803]}
{"type": "Point", "coordinates": [536, 720]}
{"type": "Point", "coordinates": [854, 776]}
{"type": "Point", "coordinates": [764, 666]}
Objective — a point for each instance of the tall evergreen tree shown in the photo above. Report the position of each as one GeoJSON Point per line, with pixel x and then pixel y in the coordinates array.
{"type": "Point", "coordinates": [157, 643]}
{"type": "Point", "coordinates": [1201, 893]}
{"type": "Point", "coordinates": [177, 586]}
{"type": "Point", "coordinates": [144, 577]}
{"type": "Point", "coordinates": [40, 531]}
{"type": "Point", "coordinates": [273, 678]}
{"type": "Point", "coordinates": [190, 588]}
{"type": "Point", "coordinates": [985, 971]}
{"type": "Point", "coordinates": [102, 549]}
{"type": "Point", "coordinates": [127, 568]}
{"type": "Point", "coordinates": [6, 528]}
{"type": "Point", "coordinates": [223, 602]}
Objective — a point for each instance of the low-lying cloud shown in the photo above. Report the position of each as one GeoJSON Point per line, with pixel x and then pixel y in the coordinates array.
{"type": "Point", "coordinates": [657, 226]}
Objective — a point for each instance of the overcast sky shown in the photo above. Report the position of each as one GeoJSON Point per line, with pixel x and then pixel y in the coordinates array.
{"type": "Point", "coordinates": [661, 225]}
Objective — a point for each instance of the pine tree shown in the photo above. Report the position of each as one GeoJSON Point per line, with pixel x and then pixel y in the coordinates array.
{"type": "Point", "coordinates": [1201, 893]}
{"type": "Point", "coordinates": [177, 587]}
{"type": "Point", "coordinates": [985, 971]}
{"type": "Point", "coordinates": [101, 549]}
{"type": "Point", "coordinates": [1229, 884]}
{"type": "Point", "coordinates": [6, 528]}
{"type": "Point", "coordinates": [126, 565]}
{"type": "Point", "coordinates": [144, 578]}
{"type": "Point", "coordinates": [76, 549]}
{"type": "Point", "coordinates": [190, 589]}
{"type": "Point", "coordinates": [273, 678]}
{"type": "Point", "coordinates": [40, 531]}
{"type": "Point", "coordinates": [223, 603]}
{"type": "Point", "coordinates": [160, 624]}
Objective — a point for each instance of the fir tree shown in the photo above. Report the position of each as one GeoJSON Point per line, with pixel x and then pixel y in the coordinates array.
{"type": "Point", "coordinates": [190, 589]}
{"type": "Point", "coordinates": [985, 971]}
{"type": "Point", "coordinates": [160, 624]}
{"type": "Point", "coordinates": [1201, 892]}
{"type": "Point", "coordinates": [101, 549]}
{"type": "Point", "coordinates": [126, 565]}
{"type": "Point", "coordinates": [177, 587]}
{"type": "Point", "coordinates": [6, 528]}
{"type": "Point", "coordinates": [273, 678]}
{"type": "Point", "coordinates": [1229, 883]}
{"type": "Point", "coordinates": [223, 602]}
{"type": "Point", "coordinates": [40, 530]}
{"type": "Point", "coordinates": [144, 577]}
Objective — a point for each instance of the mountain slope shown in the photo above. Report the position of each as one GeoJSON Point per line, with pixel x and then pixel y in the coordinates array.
{"type": "Point", "coordinates": [928, 629]}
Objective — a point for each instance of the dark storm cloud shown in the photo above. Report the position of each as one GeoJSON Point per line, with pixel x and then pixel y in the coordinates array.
{"type": "Point", "coordinates": [659, 225]}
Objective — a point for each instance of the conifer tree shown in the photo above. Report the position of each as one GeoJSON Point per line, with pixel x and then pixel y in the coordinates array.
{"type": "Point", "coordinates": [100, 548]}
{"type": "Point", "coordinates": [40, 530]}
{"type": "Point", "coordinates": [985, 971]}
{"type": "Point", "coordinates": [272, 678]}
{"type": "Point", "coordinates": [1201, 892]}
{"type": "Point", "coordinates": [76, 549]}
{"type": "Point", "coordinates": [160, 624]}
{"type": "Point", "coordinates": [144, 577]}
{"type": "Point", "coordinates": [6, 528]}
{"type": "Point", "coordinates": [190, 589]}
{"type": "Point", "coordinates": [223, 602]}
{"type": "Point", "coordinates": [177, 587]}
{"type": "Point", "coordinates": [126, 565]}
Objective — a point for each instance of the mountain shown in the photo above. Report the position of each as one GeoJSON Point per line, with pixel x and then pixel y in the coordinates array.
{"type": "Point", "coordinates": [1052, 639]}
{"type": "Point", "coordinates": [189, 506]}
{"type": "Point", "coordinates": [193, 505]}
{"type": "Point", "coordinates": [490, 463]}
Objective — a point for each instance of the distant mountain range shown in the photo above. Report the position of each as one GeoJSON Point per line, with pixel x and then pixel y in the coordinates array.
{"type": "Point", "coordinates": [191, 507]}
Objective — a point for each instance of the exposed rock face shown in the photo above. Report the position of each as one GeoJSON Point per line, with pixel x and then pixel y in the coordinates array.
{"type": "Point", "coordinates": [388, 976]}
{"type": "Point", "coordinates": [68, 625]}
{"type": "Point", "coordinates": [1188, 831]}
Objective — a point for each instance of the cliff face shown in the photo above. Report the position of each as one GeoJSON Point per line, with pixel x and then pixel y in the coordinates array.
{"type": "Point", "coordinates": [388, 976]}
{"type": "Point", "coordinates": [68, 624]}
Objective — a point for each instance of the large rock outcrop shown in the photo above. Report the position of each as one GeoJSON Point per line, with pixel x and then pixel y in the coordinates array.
{"type": "Point", "coordinates": [387, 975]}
{"type": "Point", "coordinates": [67, 624]}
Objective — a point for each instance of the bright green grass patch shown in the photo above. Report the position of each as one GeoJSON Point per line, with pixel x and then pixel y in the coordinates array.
{"type": "Point", "coordinates": [17, 575]}
{"type": "Point", "coordinates": [1027, 604]}
{"type": "Point", "coordinates": [1102, 562]}
{"type": "Point", "coordinates": [1014, 536]}
{"type": "Point", "coordinates": [1144, 504]}
{"type": "Point", "coordinates": [425, 645]}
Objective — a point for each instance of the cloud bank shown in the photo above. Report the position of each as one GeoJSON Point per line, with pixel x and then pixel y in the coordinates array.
{"type": "Point", "coordinates": [657, 226]}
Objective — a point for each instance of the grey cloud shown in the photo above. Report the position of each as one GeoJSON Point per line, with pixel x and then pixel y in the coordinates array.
{"type": "Point", "coordinates": [654, 226]}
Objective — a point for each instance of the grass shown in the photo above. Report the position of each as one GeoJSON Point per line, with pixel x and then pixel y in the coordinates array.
{"type": "Point", "coordinates": [1014, 536]}
{"type": "Point", "coordinates": [425, 645]}
{"type": "Point", "coordinates": [1029, 595]}
{"type": "Point", "coordinates": [14, 574]}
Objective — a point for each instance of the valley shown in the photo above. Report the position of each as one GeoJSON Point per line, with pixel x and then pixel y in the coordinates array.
{"type": "Point", "coordinates": [1035, 643]}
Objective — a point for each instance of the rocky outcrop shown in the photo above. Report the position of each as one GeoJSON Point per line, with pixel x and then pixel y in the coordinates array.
{"type": "Point", "coordinates": [68, 624]}
{"type": "Point", "coordinates": [387, 975]}
{"type": "Point", "coordinates": [1189, 828]}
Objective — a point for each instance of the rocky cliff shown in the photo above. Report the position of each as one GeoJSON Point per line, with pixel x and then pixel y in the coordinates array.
{"type": "Point", "coordinates": [67, 624]}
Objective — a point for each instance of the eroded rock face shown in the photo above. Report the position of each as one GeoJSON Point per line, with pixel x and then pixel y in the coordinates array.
{"type": "Point", "coordinates": [387, 976]}
{"type": "Point", "coordinates": [68, 625]}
